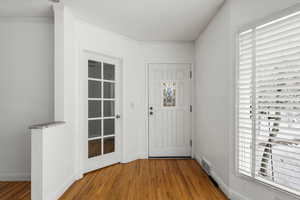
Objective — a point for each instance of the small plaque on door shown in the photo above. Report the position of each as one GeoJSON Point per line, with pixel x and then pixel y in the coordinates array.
{"type": "Point", "coordinates": [169, 94]}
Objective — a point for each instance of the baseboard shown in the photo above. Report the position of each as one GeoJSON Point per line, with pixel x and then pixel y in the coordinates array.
{"type": "Point", "coordinates": [14, 176]}
{"type": "Point", "coordinates": [224, 187]}
{"type": "Point", "coordinates": [78, 176]}
{"type": "Point", "coordinates": [131, 158]}
{"type": "Point", "coordinates": [197, 158]}
{"type": "Point", "coordinates": [143, 156]}
{"type": "Point", "coordinates": [63, 188]}
{"type": "Point", "coordinates": [231, 194]}
{"type": "Point", "coordinates": [236, 196]}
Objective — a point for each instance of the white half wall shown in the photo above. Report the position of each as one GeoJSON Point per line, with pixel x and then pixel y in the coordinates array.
{"type": "Point", "coordinates": [52, 169]}
{"type": "Point", "coordinates": [26, 88]}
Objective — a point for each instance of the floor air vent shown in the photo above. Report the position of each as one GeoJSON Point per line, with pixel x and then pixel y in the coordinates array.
{"type": "Point", "coordinates": [206, 166]}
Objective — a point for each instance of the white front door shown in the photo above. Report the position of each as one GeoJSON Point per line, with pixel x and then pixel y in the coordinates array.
{"type": "Point", "coordinates": [101, 107]}
{"type": "Point", "coordinates": [169, 110]}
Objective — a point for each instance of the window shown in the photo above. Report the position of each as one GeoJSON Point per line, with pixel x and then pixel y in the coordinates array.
{"type": "Point", "coordinates": [268, 98]}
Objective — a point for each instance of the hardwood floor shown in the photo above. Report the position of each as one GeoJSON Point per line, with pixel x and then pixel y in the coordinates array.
{"type": "Point", "coordinates": [158, 179]}
{"type": "Point", "coordinates": [14, 190]}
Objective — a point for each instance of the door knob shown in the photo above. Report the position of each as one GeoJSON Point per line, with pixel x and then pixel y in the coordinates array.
{"type": "Point", "coordinates": [118, 116]}
{"type": "Point", "coordinates": [151, 113]}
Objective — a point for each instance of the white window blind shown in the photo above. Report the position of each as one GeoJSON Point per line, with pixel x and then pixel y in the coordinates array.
{"type": "Point", "coordinates": [268, 114]}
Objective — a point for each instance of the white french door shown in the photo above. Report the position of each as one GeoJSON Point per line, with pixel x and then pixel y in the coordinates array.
{"type": "Point", "coordinates": [101, 108]}
{"type": "Point", "coordinates": [169, 110]}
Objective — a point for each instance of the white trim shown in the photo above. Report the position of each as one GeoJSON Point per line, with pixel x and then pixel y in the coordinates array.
{"type": "Point", "coordinates": [63, 188]}
{"type": "Point", "coordinates": [198, 158]}
{"type": "Point", "coordinates": [147, 108]}
{"type": "Point", "coordinates": [235, 103]}
{"type": "Point", "coordinates": [14, 176]}
{"type": "Point", "coordinates": [101, 79]}
{"type": "Point", "coordinates": [234, 195]}
{"type": "Point", "coordinates": [269, 187]}
{"type": "Point", "coordinates": [225, 189]}
{"type": "Point", "coordinates": [193, 103]}
{"type": "Point", "coordinates": [130, 158]}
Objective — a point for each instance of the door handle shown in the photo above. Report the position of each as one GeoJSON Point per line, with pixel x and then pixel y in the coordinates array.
{"type": "Point", "coordinates": [118, 116]}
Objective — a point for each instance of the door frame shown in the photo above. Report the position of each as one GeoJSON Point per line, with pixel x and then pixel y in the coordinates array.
{"type": "Point", "coordinates": [83, 102]}
{"type": "Point", "coordinates": [192, 96]}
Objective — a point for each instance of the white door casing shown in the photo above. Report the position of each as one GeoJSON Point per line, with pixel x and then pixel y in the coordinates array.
{"type": "Point", "coordinates": [100, 107]}
{"type": "Point", "coordinates": [170, 117]}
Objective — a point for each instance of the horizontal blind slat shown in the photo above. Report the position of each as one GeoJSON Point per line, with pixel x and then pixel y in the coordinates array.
{"type": "Point", "coordinates": [287, 162]}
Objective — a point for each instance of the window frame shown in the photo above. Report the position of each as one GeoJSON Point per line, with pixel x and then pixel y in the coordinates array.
{"type": "Point", "coordinates": [275, 16]}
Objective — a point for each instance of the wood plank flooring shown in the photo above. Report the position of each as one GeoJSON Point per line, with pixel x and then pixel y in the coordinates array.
{"type": "Point", "coordinates": [158, 179]}
{"type": "Point", "coordinates": [14, 190]}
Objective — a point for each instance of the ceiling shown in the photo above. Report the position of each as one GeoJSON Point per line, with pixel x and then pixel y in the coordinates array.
{"type": "Point", "coordinates": [173, 20]}
{"type": "Point", "coordinates": [157, 20]}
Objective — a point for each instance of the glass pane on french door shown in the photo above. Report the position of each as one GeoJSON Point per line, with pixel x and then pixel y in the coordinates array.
{"type": "Point", "coordinates": [101, 108]}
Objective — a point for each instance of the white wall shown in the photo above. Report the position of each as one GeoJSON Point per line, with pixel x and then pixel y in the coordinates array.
{"type": "Point", "coordinates": [215, 71]}
{"type": "Point", "coordinates": [26, 88]}
{"type": "Point", "coordinates": [176, 52]}
{"type": "Point", "coordinates": [134, 55]}
{"type": "Point", "coordinates": [212, 99]}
